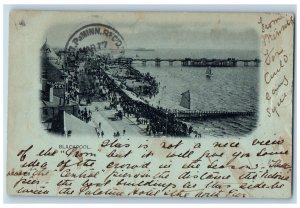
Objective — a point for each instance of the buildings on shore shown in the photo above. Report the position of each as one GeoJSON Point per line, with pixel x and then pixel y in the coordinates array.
{"type": "Point", "coordinates": [64, 74]}
{"type": "Point", "coordinates": [55, 101]}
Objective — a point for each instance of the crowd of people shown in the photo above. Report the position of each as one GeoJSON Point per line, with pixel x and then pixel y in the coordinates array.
{"type": "Point", "coordinates": [85, 115]}
{"type": "Point", "coordinates": [149, 86]}
{"type": "Point", "coordinates": [105, 88]}
{"type": "Point", "coordinates": [157, 122]}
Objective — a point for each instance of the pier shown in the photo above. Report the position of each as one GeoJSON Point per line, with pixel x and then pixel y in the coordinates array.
{"type": "Point", "coordinates": [195, 114]}
{"type": "Point", "coordinates": [189, 62]}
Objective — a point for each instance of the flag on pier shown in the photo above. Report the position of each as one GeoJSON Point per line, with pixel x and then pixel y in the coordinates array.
{"type": "Point", "coordinates": [186, 100]}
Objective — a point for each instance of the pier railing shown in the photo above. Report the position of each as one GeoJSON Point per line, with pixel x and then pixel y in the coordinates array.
{"type": "Point", "coordinates": [194, 114]}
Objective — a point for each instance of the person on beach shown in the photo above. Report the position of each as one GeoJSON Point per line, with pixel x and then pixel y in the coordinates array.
{"type": "Point", "coordinates": [190, 130]}
{"type": "Point", "coordinates": [98, 133]}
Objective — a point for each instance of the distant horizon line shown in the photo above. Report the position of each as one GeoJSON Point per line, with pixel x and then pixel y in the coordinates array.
{"type": "Point", "coordinates": [153, 49]}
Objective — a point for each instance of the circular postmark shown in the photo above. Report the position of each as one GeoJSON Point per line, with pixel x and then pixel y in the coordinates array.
{"type": "Point", "coordinates": [99, 38]}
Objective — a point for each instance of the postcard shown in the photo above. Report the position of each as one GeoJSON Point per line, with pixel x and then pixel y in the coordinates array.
{"type": "Point", "coordinates": [150, 104]}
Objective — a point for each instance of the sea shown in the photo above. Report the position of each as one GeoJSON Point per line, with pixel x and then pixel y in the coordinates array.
{"type": "Point", "coordinates": [229, 89]}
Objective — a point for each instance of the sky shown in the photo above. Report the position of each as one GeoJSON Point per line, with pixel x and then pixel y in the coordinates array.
{"type": "Point", "coordinates": [180, 33]}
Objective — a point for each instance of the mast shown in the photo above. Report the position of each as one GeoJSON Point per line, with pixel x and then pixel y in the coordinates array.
{"type": "Point", "coordinates": [208, 70]}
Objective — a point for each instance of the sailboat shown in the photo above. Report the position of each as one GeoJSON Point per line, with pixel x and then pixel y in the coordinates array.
{"type": "Point", "coordinates": [208, 72]}
{"type": "Point", "coordinates": [186, 100]}
{"type": "Point", "coordinates": [186, 103]}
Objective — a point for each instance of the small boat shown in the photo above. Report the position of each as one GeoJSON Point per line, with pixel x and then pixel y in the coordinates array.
{"type": "Point", "coordinates": [208, 72]}
{"type": "Point", "coordinates": [186, 100]}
